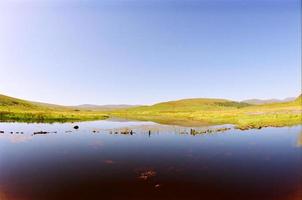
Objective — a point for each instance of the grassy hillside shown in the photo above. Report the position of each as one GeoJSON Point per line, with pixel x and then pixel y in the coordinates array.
{"type": "Point", "coordinates": [189, 112]}
{"type": "Point", "coordinates": [13, 109]}
{"type": "Point", "coordinates": [218, 111]}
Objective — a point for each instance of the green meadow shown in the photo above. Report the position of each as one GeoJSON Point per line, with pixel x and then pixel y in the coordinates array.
{"type": "Point", "coordinates": [195, 112]}
{"type": "Point", "coordinates": [187, 112]}
{"type": "Point", "coordinates": [18, 110]}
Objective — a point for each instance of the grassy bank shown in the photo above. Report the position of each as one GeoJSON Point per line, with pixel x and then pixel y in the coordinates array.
{"type": "Point", "coordinates": [12, 109]}
{"type": "Point", "coordinates": [196, 112]}
{"type": "Point", "coordinates": [187, 112]}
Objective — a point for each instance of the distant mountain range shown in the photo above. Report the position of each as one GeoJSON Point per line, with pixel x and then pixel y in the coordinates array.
{"type": "Point", "coordinates": [266, 101]}
{"type": "Point", "coordinates": [15, 102]}
{"type": "Point", "coordinates": [104, 107]}
{"type": "Point", "coordinates": [121, 106]}
{"type": "Point", "coordinates": [185, 110]}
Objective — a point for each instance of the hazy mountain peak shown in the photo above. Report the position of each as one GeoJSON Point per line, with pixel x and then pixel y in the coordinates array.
{"type": "Point", "coordinates": [266, 101]}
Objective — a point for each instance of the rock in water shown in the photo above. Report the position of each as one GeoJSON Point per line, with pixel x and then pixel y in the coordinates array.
{"type": "Point", "coordinates": [76, 127]}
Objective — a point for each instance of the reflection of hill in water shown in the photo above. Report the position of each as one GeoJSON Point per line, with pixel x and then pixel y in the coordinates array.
{"type": "Point", "coordinates": [16, 139]}
{"type": "Point", "coordinates": [299, 140]}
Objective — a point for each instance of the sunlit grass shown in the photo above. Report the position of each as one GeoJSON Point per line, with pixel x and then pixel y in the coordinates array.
{"type": "Point", "coordinates": [217, 111]}
{"type": "Point", "coordinates": [189, 112]}
{"type": "Point", "coordinates": [12, 109]}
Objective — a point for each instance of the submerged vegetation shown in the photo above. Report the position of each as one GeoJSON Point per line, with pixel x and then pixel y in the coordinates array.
{"type": "Point", "coordinates": [187, 112]}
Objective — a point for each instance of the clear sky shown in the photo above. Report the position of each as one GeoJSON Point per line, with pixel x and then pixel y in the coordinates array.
{"type": "Point", "coordinates": [145, 51]}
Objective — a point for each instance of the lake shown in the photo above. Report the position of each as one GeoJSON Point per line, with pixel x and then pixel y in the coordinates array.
{"type": "Point", "coordinates": [144, 160]}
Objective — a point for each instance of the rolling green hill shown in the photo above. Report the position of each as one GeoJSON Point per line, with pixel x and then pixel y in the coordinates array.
{"type": "Point", "coordinates": [10, 101]}
{"type": "Point", "coordinates": [189, 105]}
{"type": "Point", "coordinates": [188, 112]}
{"type": "Point", "coordinates": [13, 109]}
{"type": "Point", "coordinates": [217, 111]}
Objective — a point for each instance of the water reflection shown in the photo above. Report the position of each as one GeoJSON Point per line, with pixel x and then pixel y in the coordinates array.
{"type": "Point", "coordinates": [299, 140]}
{"type": "Point", "coordinates": [139, 127]}
{"type": "Point", "coordinates": [145, 160]}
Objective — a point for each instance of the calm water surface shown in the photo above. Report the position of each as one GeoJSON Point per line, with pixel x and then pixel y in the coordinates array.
{"type": "Point", "coordinates": [96, 161]}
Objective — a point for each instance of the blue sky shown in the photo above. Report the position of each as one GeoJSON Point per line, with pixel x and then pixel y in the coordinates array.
{"type": "Point", "coordinates": [143, 52]}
